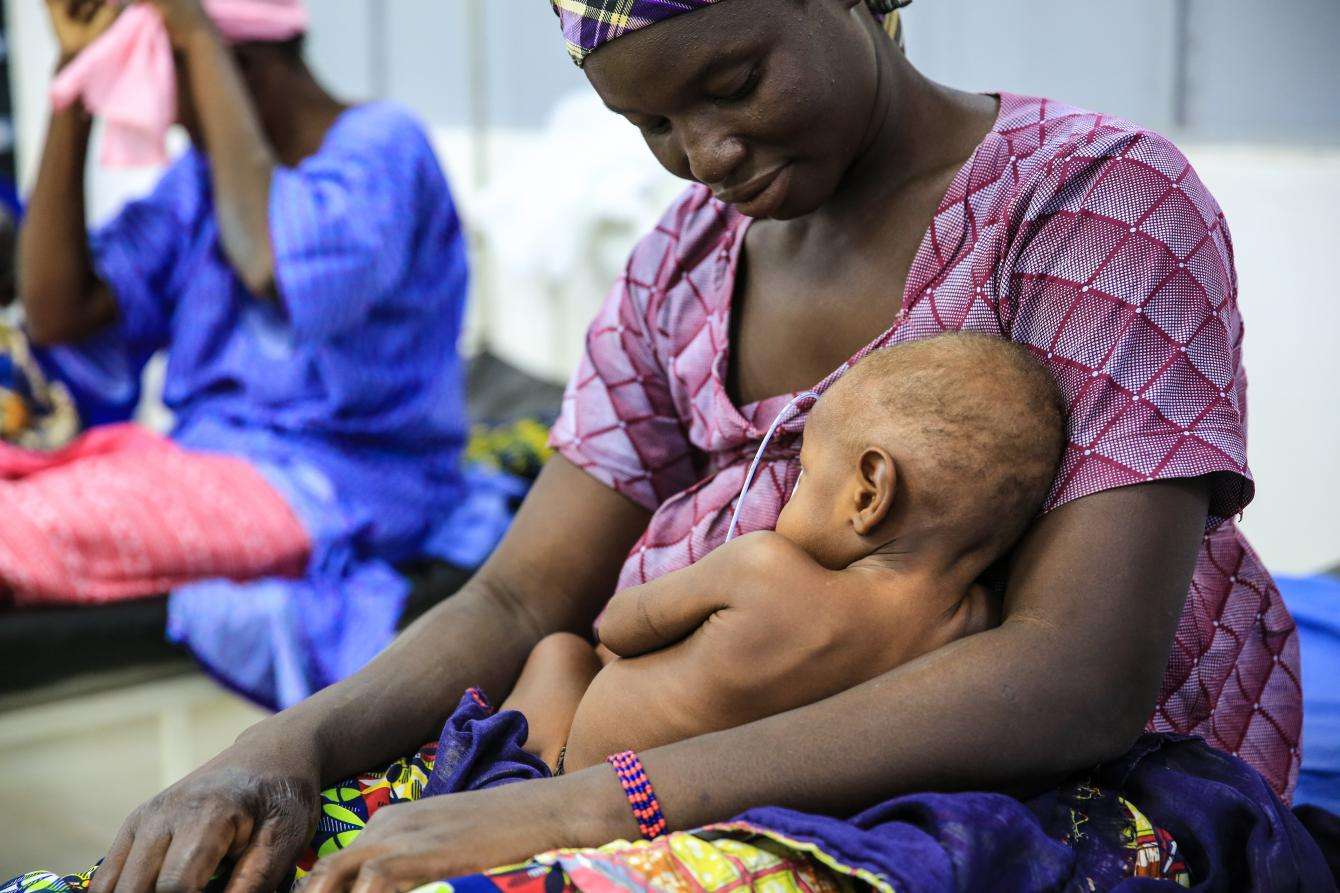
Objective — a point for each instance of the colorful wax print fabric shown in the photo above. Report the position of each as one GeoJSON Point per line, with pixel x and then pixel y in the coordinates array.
{"type": "Point", "coordinates": [36, 413]}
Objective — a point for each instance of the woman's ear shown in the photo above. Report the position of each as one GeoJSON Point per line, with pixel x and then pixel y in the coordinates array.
{"type": "Point", "coordinates": [876, 484]}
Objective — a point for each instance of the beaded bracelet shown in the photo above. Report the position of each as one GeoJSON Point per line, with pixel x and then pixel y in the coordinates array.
{"type": "Point", "coordinates": [641, 796]}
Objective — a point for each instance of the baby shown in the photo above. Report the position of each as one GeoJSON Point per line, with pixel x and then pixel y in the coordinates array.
{"type": "Point", "coordinates": [920, 468]}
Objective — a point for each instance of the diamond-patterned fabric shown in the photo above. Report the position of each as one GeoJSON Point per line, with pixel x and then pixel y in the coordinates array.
{"type": "Point", "coordinates": [1084, 237]}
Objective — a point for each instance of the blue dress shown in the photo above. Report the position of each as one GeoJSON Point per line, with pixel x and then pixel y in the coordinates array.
{"type": "Point", "coordinates": [346, 392]}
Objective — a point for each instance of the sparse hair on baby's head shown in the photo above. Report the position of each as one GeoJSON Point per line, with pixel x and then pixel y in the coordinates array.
{"type": "Point", "coordinates": [975, 423]}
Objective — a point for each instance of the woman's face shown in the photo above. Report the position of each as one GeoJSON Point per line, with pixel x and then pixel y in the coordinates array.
{"type": "Point", "coordinates": [766, 102]}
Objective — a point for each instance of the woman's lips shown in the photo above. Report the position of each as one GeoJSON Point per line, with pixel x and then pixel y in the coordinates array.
{"type": "Point", "coordinates": [754, 189]}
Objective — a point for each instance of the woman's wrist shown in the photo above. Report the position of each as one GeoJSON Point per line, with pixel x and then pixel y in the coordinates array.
{"type": "Point", "coordinates": [593, 809]}
{"type": "Point", "coordinates": [280, 740]}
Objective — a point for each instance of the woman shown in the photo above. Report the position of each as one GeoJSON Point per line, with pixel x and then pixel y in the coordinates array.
{"type": "Point", "coordinates": [303, 267]}
{"type": "Point", "coordinates": [844, 202]}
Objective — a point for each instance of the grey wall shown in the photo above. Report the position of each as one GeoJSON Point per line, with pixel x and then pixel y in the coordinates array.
{"type": "Point", "coordinates": [1270, 70]}
{"type": "Point", "coordinates": [1123, 65]}
{"type": "Point", "coordinates": [421, 52]}
{"type": "Point", "coordinates": [1239, 70]}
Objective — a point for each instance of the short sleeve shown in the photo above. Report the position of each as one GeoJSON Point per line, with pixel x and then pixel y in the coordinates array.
{"type": "Point", "coordinates": [343, 223]}
{"type": "Point", "coordinates": [619, 421]}
{"type": "Point", "coordinates": [138, 255]}
{"type": "Point", "coordinates": [1122, 282]}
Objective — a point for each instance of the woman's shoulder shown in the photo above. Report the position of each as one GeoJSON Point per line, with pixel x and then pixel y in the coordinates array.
{"type": "Point", "coordinates": [1058, 147]}
{"type": "Point", "coordinates": [384, 118]}
{"type": "Point", "coordinates": [1047, 128]}
{"type": "Point", "coordinates": [383, 131]}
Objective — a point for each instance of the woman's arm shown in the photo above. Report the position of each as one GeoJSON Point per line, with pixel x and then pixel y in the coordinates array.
{"type": "Point", "coordinates": [241, 159]}
{"type": "Point", "coordinates": [1067, 681]}
{"type": "Point", "coordinates": [553, 572]}
{"type": "Point", "coordinates": [63, 299]}
{"type": "Point", "coordinates": [257, 800]}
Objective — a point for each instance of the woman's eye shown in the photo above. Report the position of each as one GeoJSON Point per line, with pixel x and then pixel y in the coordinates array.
{"type": "Point", "coordinates": [742, 91]}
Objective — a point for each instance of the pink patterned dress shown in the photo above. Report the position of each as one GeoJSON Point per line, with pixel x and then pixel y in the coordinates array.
{"type": "Point", "coordinates": [1084, 237]}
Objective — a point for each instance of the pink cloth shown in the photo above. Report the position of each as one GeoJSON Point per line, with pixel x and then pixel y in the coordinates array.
{"type": "Point", "coordinates": [123, 513]}
{"type": "Point", "coordinates": [1085, 238]}
{"type": "Point", "coordinates": [126, 76]}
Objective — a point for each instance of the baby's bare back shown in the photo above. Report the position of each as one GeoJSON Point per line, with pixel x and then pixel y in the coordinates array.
{"type": "Point", "coordinates": [756, 629]}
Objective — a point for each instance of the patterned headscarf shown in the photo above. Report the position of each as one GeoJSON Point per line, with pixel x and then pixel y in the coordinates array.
{"type": "Point", "coordinates": [590, 24]}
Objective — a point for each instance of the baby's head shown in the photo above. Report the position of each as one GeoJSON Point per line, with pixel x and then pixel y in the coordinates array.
{"type": "Point", "coordinates": [948, 445]}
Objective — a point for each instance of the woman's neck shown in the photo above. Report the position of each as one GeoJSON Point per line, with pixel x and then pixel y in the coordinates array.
{"type": "Point", "coordinates": [295, 111]}
{"type": "Point", "coordinates": [919, 131]}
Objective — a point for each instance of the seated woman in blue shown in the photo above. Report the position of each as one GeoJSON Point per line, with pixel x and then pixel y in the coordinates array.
{"type": "Point", "coordinates": [304, 268]}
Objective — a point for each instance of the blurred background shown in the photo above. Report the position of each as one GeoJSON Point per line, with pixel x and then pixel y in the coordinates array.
{"type": "Point", "coordinates": [1250, 91]}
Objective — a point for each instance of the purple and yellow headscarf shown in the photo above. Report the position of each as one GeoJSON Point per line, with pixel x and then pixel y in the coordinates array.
{"type": "Point", "coordinates": [590, 24]}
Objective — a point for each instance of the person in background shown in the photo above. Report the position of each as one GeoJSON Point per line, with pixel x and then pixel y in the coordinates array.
{"type": "Point", "coordinates": [303, 267]}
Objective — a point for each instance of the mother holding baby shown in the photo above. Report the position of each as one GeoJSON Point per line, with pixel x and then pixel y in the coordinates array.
{"type": "Point", "coordinates": [843, 203]}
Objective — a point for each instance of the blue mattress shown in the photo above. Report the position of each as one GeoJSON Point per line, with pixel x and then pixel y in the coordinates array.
{"type": "Point", "coordinates": [1315, 603]}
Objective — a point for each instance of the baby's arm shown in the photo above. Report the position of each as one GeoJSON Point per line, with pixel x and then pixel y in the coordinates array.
{"type": "Point", "coordinates": [658, 614]}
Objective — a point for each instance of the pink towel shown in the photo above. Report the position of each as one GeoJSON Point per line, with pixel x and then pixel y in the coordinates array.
{"type": "Point", "coordinates": [126, 76]}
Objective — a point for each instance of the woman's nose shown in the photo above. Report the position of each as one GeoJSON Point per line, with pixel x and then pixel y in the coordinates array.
{"type": "Point", "coordinates": [713, 155]}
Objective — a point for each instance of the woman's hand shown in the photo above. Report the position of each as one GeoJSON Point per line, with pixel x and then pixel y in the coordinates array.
{"type": "Point", "coordinates": [256, 803]}
{"type": "Point", "coordinates": [412, 844]}
{"type": "Point", "coordinates": [78, 23]}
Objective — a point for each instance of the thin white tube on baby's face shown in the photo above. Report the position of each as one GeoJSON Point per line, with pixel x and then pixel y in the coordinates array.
{"type": "Point", "coordinates": [793, 404]}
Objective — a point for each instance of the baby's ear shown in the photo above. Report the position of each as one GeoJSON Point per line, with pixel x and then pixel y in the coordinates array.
{"type": "Point", "coordinates": [877, 482]}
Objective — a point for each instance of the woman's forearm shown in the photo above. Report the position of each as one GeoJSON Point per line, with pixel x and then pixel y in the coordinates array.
{"type": "Point", "coordinates": [62, 297]}
{"type": "Point", "coordinates": [400, 700]}
{"type": "Point", "coordinates": [534, 584]}
{"type": "Point", "coordinates": [992, 711]}
{"type": "Point", "coordinates": [242, 161]}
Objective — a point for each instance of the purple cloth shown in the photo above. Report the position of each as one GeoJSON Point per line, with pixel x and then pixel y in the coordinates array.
{"type": "Point", "coordinates": [481, 749]}
{"type": "Point", "coordinates": [590, 24]}
{"type": "Point", "coordinates": [1230, 827]}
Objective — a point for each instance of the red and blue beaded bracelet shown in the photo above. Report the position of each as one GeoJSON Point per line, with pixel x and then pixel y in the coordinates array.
{"type": "Point", "coordinates": [637, 787]}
